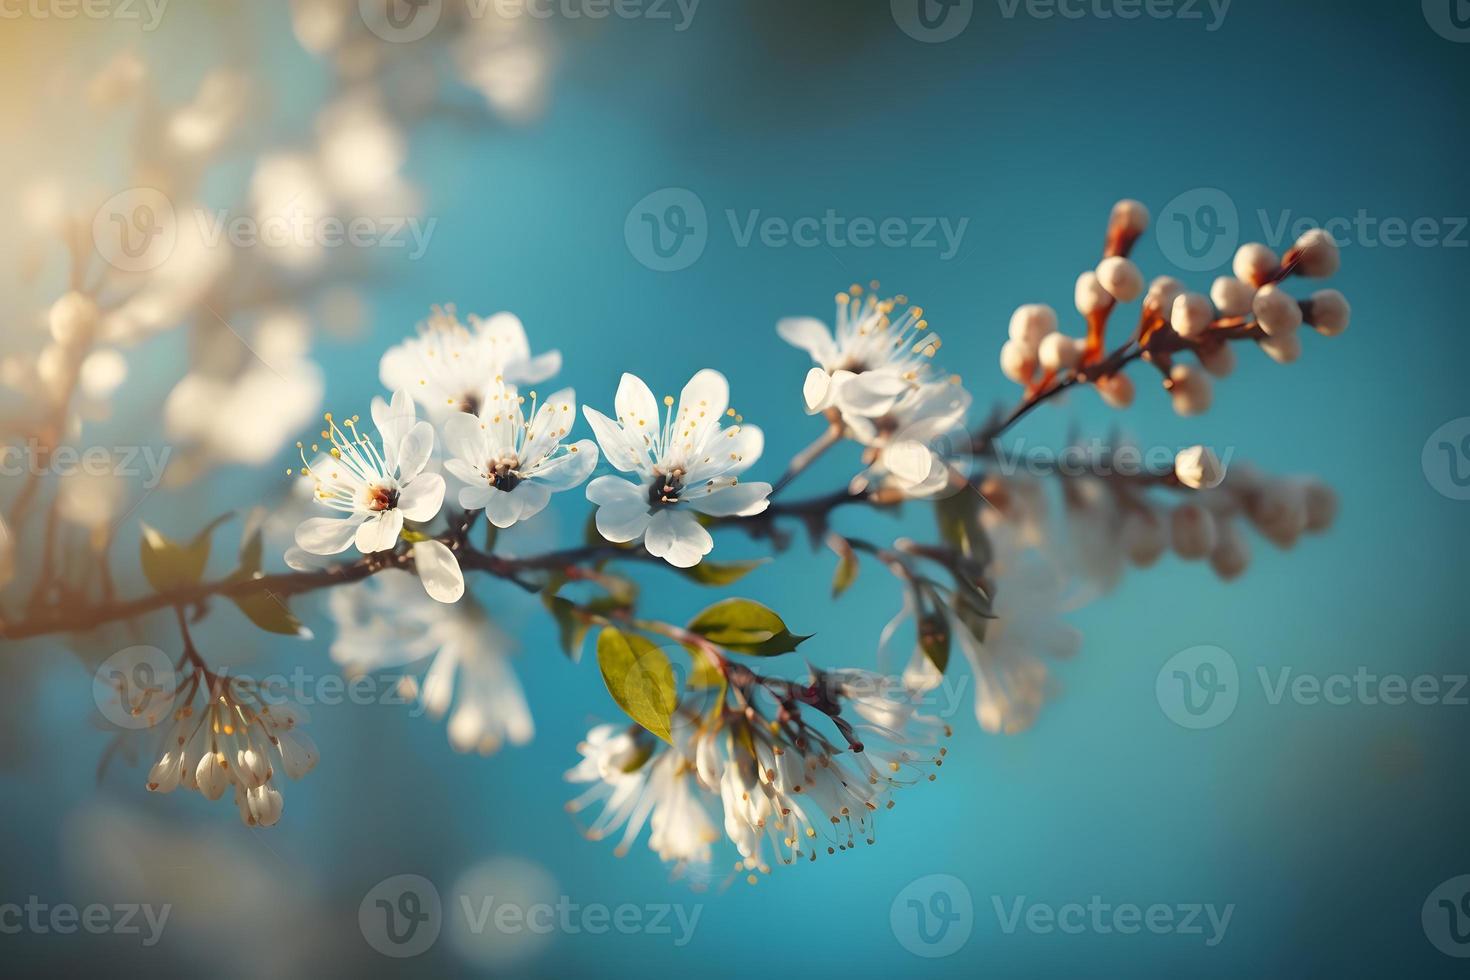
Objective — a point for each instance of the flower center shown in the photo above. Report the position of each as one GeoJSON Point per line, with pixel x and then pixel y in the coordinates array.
{"type": "Point", "coordinates": [382, 498]}
{"type": "Point", "coordinates": [470, 404]}
{"type": "Point", "coordinates": [503, 473]}
{"type": "Point", "coordinates": [665, 490]}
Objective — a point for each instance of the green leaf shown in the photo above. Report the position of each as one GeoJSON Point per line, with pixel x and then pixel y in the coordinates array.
{"type": "Point", "coordinates": [746, 626]}
{"type": "Point", "coordinates": [703, 674]}
{"type": "Point", "coordinates": [169, 565]}
{"type": "Point", "coordinates": [958, 517]}
{"type": "Point", "coordinates": [261, 607]}
{"type": "Point", "coordinates": [722, 573]}
{"type": "Point", "coordinates": [569, 622]}
{"type": "Point", "coordinates": [640, 678]}
{"type": "Point", "coordinates": [847, 565]}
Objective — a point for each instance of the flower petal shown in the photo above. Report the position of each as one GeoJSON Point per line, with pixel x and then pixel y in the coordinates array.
{"type": "Point", "coordinates": [741, 500]}
{"type": "Point", "coordinates": [476, 497]}
{"type": "Point", "coordinates": [635, 406]}
{"type": "Point", "coordinates": [702, 404]}
{"type": "Point", "coordinates": [420, 500]}
{"type": "Point", "coordinates": [414, 451]}
{"type": "Point", "coordinates": [439, 571]}
{"type": "Point", "coordinates": [620, 448]}
{"type": "Point", "coordinates": [464, 472]}
{"type": "Point", "coordinates": [816, 391]}
{"type": "Point", "coordinates": [871, 394]}
{"type": "Point", "coordinates": [677, 537]}
{"type": "Point", "coordinates": [610, 491]}
{"type": "Point", "coordinates": [465, 438]}
{"type": "Point", "coordinates": [394, 422]}
{"type": "Point", "coordinates": [567, 470]}
{"type": "Point", "coordinates": [379, 532]}
{"type": "Point", "coordinates": [327, 535]}
{"type": "Point", "coordinates": [811, 335]}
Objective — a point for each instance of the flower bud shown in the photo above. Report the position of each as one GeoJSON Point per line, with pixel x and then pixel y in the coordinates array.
{"type": "Point", "coordinates": [1059, 352]}
{"type": "Point", "coordinates": [1090, 295]}
{"type": "Point", "coordinates": [1232, 552]}
{"type": "Point", "coordinates": [1017, 362]}
{"type": "Point", "coordinates": [1121, 278]}
{"type": "Point", "coordinates": [1218, 359]}
{"type": "Point", "coordinates": [1283, 350]}
{"type": "Point", "coordinates": [1231, 296]}
{"type": "Point", "coordinates": [265, 804]}
{"type": "Point", "coordinates": [1129, 218]}
{"type": "Point", "coordinates": [1193, 531]}
{"type": "Point", "coordinates": [72, 319]}
{"type": "Point", "coordinates": [1277, 310]}
{"type": "Point", "coordinates": [1191, 390]}
{"type": "Point", "coordinates": [1199, 468]}
{"type": "Point", "coordinates": [1328, 312]}
{"type": "Point", "coordinates": [1162, 293]}
{"type": "Point", "coordinates": [1255, 264]}
{"type": "Point", "coordinates": [1321, 505]}
{"type": "Point", "coordinates": [1317, 255]}
{"type": "Point", "coordinates": [1032, 322]}
{"type": "Point", "coordinates": [1279, 512]}
{"type": "Point", "coordinates": [1143, 538]}
{"type": "Point", "coordinates": [1192, 315]}
{"type": "Point", "coordinates": [1116, 390]}
{"type": "Point", "coordinates": [210, 776]}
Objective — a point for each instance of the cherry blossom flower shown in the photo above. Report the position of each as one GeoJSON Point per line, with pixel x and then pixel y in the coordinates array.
{"type": "Point", "coordinates": [450, 367]}
{"type": "Point", "coordinates": [689, 464]}
{"type": "Point", "coordinates": [511, 467]}
{"type": "Point", "coordinates": [386, 622]}
{"type": "Point", "coordinates": [869, 361]}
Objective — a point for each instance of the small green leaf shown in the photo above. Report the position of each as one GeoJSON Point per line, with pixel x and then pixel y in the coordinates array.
{"type": "Point", "coordinates": [640, 678]}
{"type": "Point", "coordinates": [722, 573]}
{"type": "Point", "coordinates": [934, 640]}
{"type": "Point", "coordinates": [569, 622]}
{"type": "Point", "coordinates": [261, 607]}
{"type": "Point", "coordinates": [703, 674]}
{"type": "Point", "coordinates": [958, 517]}
{"type": "Point", "coordinates": [169, 565]}
{"type": "Point", "coordinates": [746, 626]}
{"type": "Point", "coordinates": [847, 565]}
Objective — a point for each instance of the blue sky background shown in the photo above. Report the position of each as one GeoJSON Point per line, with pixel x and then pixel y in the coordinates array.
{"type": "Point", "coordinates": [1325, 826]}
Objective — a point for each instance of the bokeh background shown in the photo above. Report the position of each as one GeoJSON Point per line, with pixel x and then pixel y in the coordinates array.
{"type": "Point", "coordinates": [1326, 827]}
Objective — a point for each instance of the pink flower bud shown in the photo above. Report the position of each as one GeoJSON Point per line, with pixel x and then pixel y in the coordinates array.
{"type": "Point", "coordinates": [72, 319]}
{"type": "Point", "coordinates": [1017, 362]}
{"type": "Point", "coordinates": [1121, 278]}
{"type": "Point", "coordinates": [1143, 538]}
{"type": "Point", "coordinates": [1193, 531]}
{"type": "Point", "coordinates": [1129, 218]}
{"type": "Point", "coordinates": [1192, 315]}
{"type": "Point", "coordinates": [1232, 552]}
{"type": "Point", "coordinates": [1218, 359]}
{"type": "Point", "coordinates": [1317, 255]}
{"type": "Point", "coordinates": [1231, 296]}
{"type": "Point", "coordinates": [1255, 264]}
{"type": "Point", "coordinates": [1328, 312]}
{"type": "Point", "coordinates": [1286, 349]}
{"type": "Point", "coordinates": [1116, 390]}
{"type": "Point", "coordinates": [1162, 293]}
{"type": "Point", "coordinates": [1090, 295]}
{"type": "Point", "coordinates": [1191, 390]}
{"type": "Point", "coordinates": [1321, 504]}
{"type": "Point", "coordinates": [1279, 512]}
{"type": "Point", "coordinates": [1059, 352]}
{"type": "Point", "coordinates": [1278, 311]}
{"type": "Point", "coordinates": [1032, 322]}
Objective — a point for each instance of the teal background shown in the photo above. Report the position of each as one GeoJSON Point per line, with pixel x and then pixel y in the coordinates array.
{"type": "Point", "coordinates": [1325, 826]}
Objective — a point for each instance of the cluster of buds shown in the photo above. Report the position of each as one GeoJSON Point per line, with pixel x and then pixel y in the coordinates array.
{"type": "Point", "coordinates": [1249, 305]}
{"type": "Point", "coordinates": [764, 767]}
{"type": "Point", "coordinates": [232, 740]}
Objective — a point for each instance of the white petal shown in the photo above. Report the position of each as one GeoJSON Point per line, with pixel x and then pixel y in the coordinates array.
{"type": "Point", "coordinates": [327, 535]}
{"type": "Point", "coordinates": [507, 337]}
{"type": "Point", "coordinates": [636, 407]}
{"type": "Point", "coordinates": [414, 450]}
{"type": "Point", "coordinates": [439, 570]}
{"type": "Point", "coordinates": [394, 422]}
{"type": "Point", "coordinates": [465, 438]}
{"type": "Point", "coordinates": [816, 391]}
{"type": "Point", "coordinates": [610, 491]}
{"type": "Point", "coordinates": [810, 335]}
{"type": "Point", "coordinates": [620, 448]}
{"type": "Point", "coordinates": [871, 394]}
{"type": "Point", "coordinates": [741, 500]}
{"type": "Point", "coordinates": [623, 522]}
{"type": "Point", "coordinates": [677, 537]}
{"type": "Point", "coordinates": [567, 470]}
{"type": "Point", "coordinates": [379, 532]}
{"type": "Point", "coordinates": [465, 472]}
{"type": "Point", "coordinates": [503, 508]}
{"type": "Point", "coordinates": [910, 462]}
{"type": "Point", "coordinates": [420, 500]}
{"type": "Point", "coordinates": [476, 497]}
{"type": "Point", "coordinates": [702, 403]}
{"type": "Point", "coordinates": [535, 370]}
